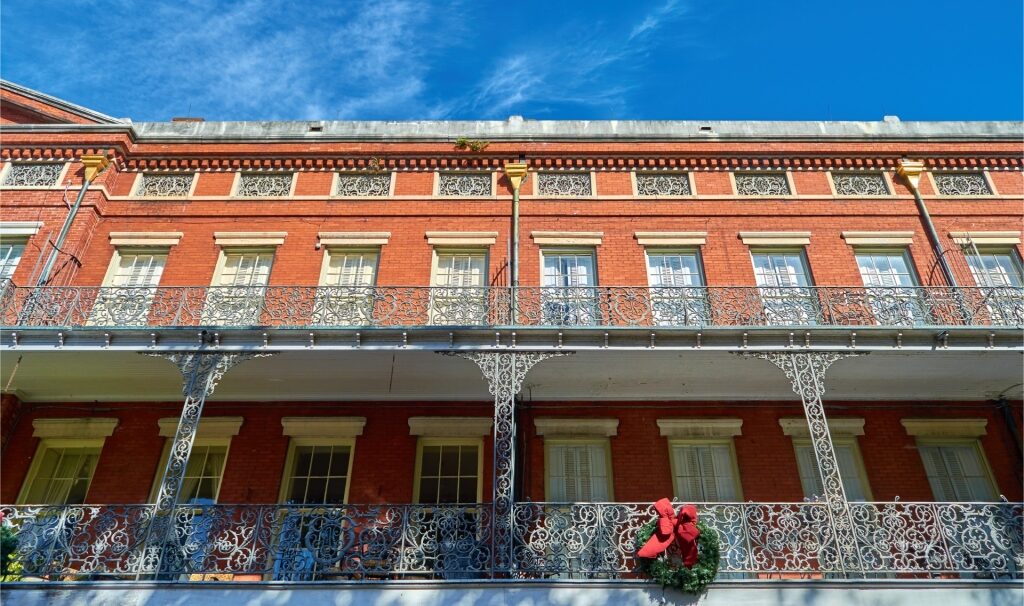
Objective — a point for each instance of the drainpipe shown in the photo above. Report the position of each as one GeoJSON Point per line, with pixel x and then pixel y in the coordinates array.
{"type": "Point", "coordinates": [516, 173]}
{"type": "Point", "coordinates": [911, 171]}
{"type": "Point", "coordinates": [94, 165]}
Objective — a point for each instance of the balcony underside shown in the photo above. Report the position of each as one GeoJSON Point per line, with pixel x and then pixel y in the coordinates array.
{"type": "Point", "coordinates": [98, 374]}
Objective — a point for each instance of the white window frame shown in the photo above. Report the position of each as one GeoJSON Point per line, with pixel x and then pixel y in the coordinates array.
{"type": "Point", "coordinates": [56, 444]}
{"type": "Point", "coordinates": [203, 441]}
{"type": "Point", "coordinates": [438, 251]}
{"type": "Point", "coordinates": [226, 251]}
{"type": "Point", "coordinates": [443, 441]}
{"type": "Point", "coordinates": [296, 442]}
{"type": "Point", "coordinates": [13, 242]}
{"type": "Point", "coordinates": [604, 443]}
{"type": "Point", "coordinates": [335, 250]}
{"type": "Point", "coordinates": [995, 249]}
{"type": "Point", "coordinates": [975, 444]}
{"type": "Point", "coordinates": [728, 442]}
{"type": "Point", "coordinates": [85, 432]}
{"type": "Point", "coordinates": [858, 461]}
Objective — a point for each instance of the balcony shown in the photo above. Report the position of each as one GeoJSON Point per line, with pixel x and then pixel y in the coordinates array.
{"type": "Point", "coordinates": [551, 542]}
{"type": "Point", "coordinates": [328, 307]}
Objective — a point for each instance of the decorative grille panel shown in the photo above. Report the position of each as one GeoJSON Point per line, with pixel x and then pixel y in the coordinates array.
{"type": "Point", "coordinates": [962, 184]}
{"type": "Point", "coordinates": [869, 184]}
{"type": "Point", "coordinates": [364, 185]}
{"type": "Point", "coordinates": [255, 185]}
{"type": "Point", "coordinates": [564, 184]}
{"type": "Point", "coordinates": [663, 185]}
{"type": "Point", "coordinates": [165, 186]}
{"type": "Point", "coordinates": [33, 175]}
{"type": "Point", "coordinates": [762, 184]}
{"type": "Point", "coordinates": [462, 184]}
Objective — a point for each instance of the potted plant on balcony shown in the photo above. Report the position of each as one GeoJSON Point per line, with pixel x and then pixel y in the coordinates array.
{"type": "Point", "coordinates": [678, 550]}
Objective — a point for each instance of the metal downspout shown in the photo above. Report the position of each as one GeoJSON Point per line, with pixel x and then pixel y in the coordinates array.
{"type": "Point", "coordinates": [516, 173]}
{"type": "Point", "coordinates": [911, 171]}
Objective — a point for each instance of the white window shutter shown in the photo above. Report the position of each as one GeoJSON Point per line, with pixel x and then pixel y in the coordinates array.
{"type": "Point", "coordinates": [556, 474]}
{"type": "Point", "coordinates": [938, 477]}
{"type": "Point", "coordinates": [598, 473]}
{"type": "Point", "coordinates": [726, 483]}
{"type": "Point", "coordinates": [688, 486]}
{"type": "Point", "coordinates": [850, 472]}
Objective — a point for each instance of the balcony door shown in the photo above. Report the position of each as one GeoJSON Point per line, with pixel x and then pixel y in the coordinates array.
{"type": "Point", "coordinates": [890, 286]}
{"type": "Point", "coordinates": [997, 272]}
{"type": "Point", "coordinates": [130, 288]}
{"type": "Point", "coordinates": [345, 297]}
{"type": "Point", "coordinates": [677, 293]}
{"type": "Point", "coordinates": [784, 287]}
{"type": "Point", "coordinates": [236, 297]}
{"type": "Point", "coordinates": [568, 295]}
{"type": "Point", "coordinates": [459, 294]}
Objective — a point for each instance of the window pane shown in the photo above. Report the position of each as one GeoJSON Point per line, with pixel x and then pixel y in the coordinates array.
{"type": "Point", "coordinates": [431, 460]}
{"type": "Point", "coordinates": [321, 463]}
{"type": "Point", "coordinates": [10, 256]}
{"type": "Point", "coordinates": [298, 491]}
{"type": "Point", "coordinates": [428, 490]}
{"type": "Point", "coordinates": [449, 461]}
{"type": "Point", "coordinates": [448, 490]}
{"type": "Point", "coordinates": [63, 476]}
{"type": "Point", "coordinates": [467, 490]}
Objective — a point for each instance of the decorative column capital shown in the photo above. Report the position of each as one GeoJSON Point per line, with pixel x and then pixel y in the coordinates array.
{"type": "Point", "coordinates": [94, 165]}
{"type": "Point", "coordinates": [911, 171]}
{"type": "Point", "coordinates": [516, 173]}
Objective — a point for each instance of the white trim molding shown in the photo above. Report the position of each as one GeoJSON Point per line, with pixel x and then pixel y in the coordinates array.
{"type": "Point", "coordinates": [671, 238]}
{"type": "Point", "coordinates": [249, 238]}
{"type": "Point", "coordinates": [209, 427]}
{"type": "Point", "coordinates": [461, 238]}
{"type": "Point", "coordinates": [945, 428]}
{"type": "Point", "coordinates": [354, 238]}
{"type": "Point", "coordinates": [985, 237]}
{"type": "Point", "coordinates": [776, 238]}
{"type": "Point", "coordinates": [560, 427]}
{"type": "Point", "coordinates": [567, 238]}
{"type": "Point", "coordinates": [680, 428]}
{"type": "Point", "coordinates": [450, 427]}
{"type": "Point", "coordinates": [796, 427]}
{"type": "Point", "coordinates": [323, 427]}
{"type": "Point", "coordinates": [145, 238]}
{"type": "Point", "coordinates": [19, 229]}
{"type": "Point", "coordinates": [878, 238]}
{"type": "Point", "coordinates": [82, 428]}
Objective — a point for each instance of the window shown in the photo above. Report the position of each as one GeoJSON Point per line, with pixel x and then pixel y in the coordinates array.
{"type": "Point", "coordinates": [129, 288]}
{"type": "Point", "coordinates": [346, 295]}
{"type": "Point", "coordinates": [704, 471]}
{"type": "Point", "coordinates": [459, 295]}
{"type": "Point", "coordinates": [203, 474]}
{"type": "Point", "coordinates": [363, 185]}
{"type": "Point", "coordinates": [783, 283]}
{"type": "Point", "coordinates": [10, 256]}
{"type": "Point", "coordinates": [464, 184]}
{"type": "Point", "coordinates": [577, 471]}
{"type": "Point", "coordinates": [318, 475]}
{"type": "Point", "coordinates": [568, 294]}
{"type": "Point", "coordinates": [762, 184]}
{"type": "Point", "coordinates": [995, 267]}
{"type": "Point", "coordinates": [860, 184]}
{"type": "Point", "coordinates": [264, 185]}
{"type": "Point", "coordinates": [448, 471]}
{"type": "Point", "coordinates": [62, 474]}
{"type": "Point", "coordinates": [957, 471]}
{"type": "Point", "coordinates": [962, 184]}
{"type": "Point", "coordinates": [663, 184]}
{"type": "Point", "coordinates": [677, 294]}
{"type": "Point", "coordinates": [891, 287]}
{"type": "Point", "coordinates": [850, 468]}
{"type": "Point", "coordinates": [564, 184]}
{"type": "Point", "coordinates": [239, 285]}
{"type": "Point", "coordinates": [165, 185]}
{"type": "Point", "coordinates": [33, 174]}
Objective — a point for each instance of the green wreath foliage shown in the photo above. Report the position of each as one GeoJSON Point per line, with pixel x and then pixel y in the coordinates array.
{"type": "Point", "coordinates": [668, 569]}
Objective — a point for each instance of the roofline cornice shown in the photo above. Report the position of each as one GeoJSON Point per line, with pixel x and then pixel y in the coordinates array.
{"type": "Point", "coordinates": [71, 108]}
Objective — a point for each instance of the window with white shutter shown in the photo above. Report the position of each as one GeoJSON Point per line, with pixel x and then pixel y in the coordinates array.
{"type": "Point", "coordinates": [568, 294]}
{"type": "Point", "coordinates": [236, 297]}
{"type": "Point", "coordinates": [957, 472]}
{"type": "Point", "coordinates": [138, 270]}
{"type": "Point", "coordinates": [889, 283]}
{"type": "Point", "coordinates": [345, 297]}
{"type": "Point", "coordinates": [848, 457]}
{"type": "Point", "coordinates": [675, 278]}
{"type": "Point", "coordinates": [351, 268]}
{"type": "Point", "coordinates": [577, 472]}
{"type": "Point", "coordinates": [704, 472]}
{"type": "Point", "coordinates": [783, 282]}
{"type": "Point", "coordinates": [129, 289]}
{"type": "Point", "coordinates": [995, 267]}
{"type": "Point", "coordinates": [10, 256]}
{"type": "Point", "coordinates": [459, 295]}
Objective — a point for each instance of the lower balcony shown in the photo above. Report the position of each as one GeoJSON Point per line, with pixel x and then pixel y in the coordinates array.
{"type": "Point", "coordinates": [551, 542]}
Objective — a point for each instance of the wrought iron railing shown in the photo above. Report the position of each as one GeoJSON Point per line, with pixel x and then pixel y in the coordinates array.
{"type": "Point", "coordinates": [551, 541]}
{"type": "Point", "coordinates": [604, 306]}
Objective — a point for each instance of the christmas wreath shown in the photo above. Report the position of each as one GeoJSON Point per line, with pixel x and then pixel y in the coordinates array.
{"type": "Point", "coordinates": [678, 550]}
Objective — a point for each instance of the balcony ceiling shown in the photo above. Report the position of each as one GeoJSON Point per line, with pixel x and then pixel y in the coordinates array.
{"type": "Point", "coordinates": [591, 375]}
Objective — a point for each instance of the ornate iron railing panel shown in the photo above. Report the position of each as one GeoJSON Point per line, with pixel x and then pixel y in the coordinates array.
{"type": "Point", "coordinates": [580, 306]}
{"type": "Point", "coordinates": [262, 542]}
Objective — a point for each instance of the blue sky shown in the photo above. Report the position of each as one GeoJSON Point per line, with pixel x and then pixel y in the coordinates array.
{"type": "Point", "coordinates": [412, 59]}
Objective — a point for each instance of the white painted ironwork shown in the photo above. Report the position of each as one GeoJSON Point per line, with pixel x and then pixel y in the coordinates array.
{"type": "Point", "coordinates": [357, 185]}
{"type": "Point", "coordinates": [756, 184]}
{"type": "Point", "coordinates": [860, 184]}
{"type": "Point", "coordinates": [165, 186]}
{"type": "Point", "coordinates": [962, 184]}
{"type": "Point", "coordinates": [464, 184]}
{"type": "Point", "coordinates": [564, 184]}
{"type": "Point", "coordinates": [33, 174]}
{"type": "Point", "coordinates": [663, 184]}
{"type": "Point", "coordinates": [260, 185]}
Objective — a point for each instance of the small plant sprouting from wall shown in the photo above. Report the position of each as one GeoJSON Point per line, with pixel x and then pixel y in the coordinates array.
{"type": "Point", "coordinates": [475, 145]}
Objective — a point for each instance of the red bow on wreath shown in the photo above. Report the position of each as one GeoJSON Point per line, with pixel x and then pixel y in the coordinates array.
{"type": "Point", "coordinates": [682, 529]}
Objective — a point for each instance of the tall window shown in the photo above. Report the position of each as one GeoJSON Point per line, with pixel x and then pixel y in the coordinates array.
{"type": "Point", "coordinates": [10, 255]}
{"type": "Point", "coordinates": [993, 270]}
{"type": "Point", "coordinates": [449, 471]}
{"type": "Point", "coordinates": [890, 287]}
{"type": "Point", "coordinates": [345, 297]}
{"type": "Point", "coordinates": [239, 285]}
{"type": "Point", "coordinates": [318, 475]}
{"type": "Point", "coordinates": [676, 281]}
{"type": "Point", "coordinates": [784, 287]}
{"type": "Point", "coordinates": [568, 294]}
{"type": "Point", "coordinates": [578, 472]}
{"type": "Point", "coordinates": [854, 483]}
{"type": "Point", "coordinates": [957, 472]}
{"type": "Point", "coordinates": [203, 474]}
{"type": "Point", "coordinates": [130, 288]}
{"type": "Point", "coordinates": [459, 295]}
{"type": "Point", "coordinates": [704, 472]}
{"type": "Point", "coordinates": [62, 475]}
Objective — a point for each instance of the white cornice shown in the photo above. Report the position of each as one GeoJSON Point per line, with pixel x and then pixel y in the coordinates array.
{"type": "Point", "coordinates": [569, 238]}
{"type": "Point", "coordinates": [945, 428]}
{"type": "Point", "coordinates": [141, 238]}
{"type": "Point", "coordinates": [19, 229]}
{"type": "Point", "coordinates": [878, 238]}
{"type": "Point", "coordinates": [671, 238]}
{"type": "Point", "coordinates": [249, 238]}
{"type": "Point", "coordinates": [776, 238]}
{"type": "Point", "coordinates": [354, 238]}
{"type": "Point", "coordinates": [985, 237]}
{"type": "Point", "coordinates": [461, 238]}
{"type": "Point", "coordinates": [209, 427]}
{"type": "Point", "coordinates": [692, 427]}
{"type": "Point", "coordinates": [323, 427]}
{"type": "Point", "coordinates": [837, 427]}
{"type": "Point", "coordinates": [560, 427]}
{"type": "Point", "coordinates": [450, 427]}
{"type": "Point", "coordinates": [74, 428]}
